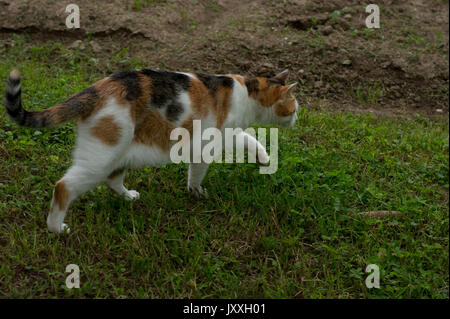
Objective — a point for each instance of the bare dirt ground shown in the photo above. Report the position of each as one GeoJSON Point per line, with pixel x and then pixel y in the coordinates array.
{"type": "Point", "coordinates": [399, 69]}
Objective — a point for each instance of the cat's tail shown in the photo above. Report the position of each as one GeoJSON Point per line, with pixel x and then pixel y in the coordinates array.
{"type": "Point", "coordinates": [69, 110]}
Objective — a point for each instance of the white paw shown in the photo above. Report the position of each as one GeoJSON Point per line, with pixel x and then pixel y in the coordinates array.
{"type": "Point", "coordinates": [58, 229]}
{"type": "Point", "coordinates": [131, 195]}
{"type": "Point", "coordinates": [65, 228]}
{"type": "Point", "coordinates": [263, 158]}
{"type": "Point", "coordinates": [198, 191]}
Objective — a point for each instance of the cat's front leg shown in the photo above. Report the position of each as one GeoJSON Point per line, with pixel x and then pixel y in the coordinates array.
{"type": "Point", "coordinates": [196, 173]}
{"type": "Point", "coordinates": [254, 148]}
{"type": "Point", "coordinates": [115, 182]}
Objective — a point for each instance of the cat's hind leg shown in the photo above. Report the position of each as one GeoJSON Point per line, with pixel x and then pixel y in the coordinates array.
{"type": "Point", "coordinates": [102, 140]}
{"type": "Point", "coordinates": [115, 182]}
{"type": "Point", "coordinates": [75, 182]}
{"type": "Point", "coordinates": [58, 208]}
{"type": "Point", "coordinates": [196, 174]}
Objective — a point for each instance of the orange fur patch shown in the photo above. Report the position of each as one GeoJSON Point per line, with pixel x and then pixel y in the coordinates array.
{"type": "Point", "coordinates": [154, 130]}
{"type": "Point", "coordinates": [111, 87]}
{"type": "Point", "coordinates": [61, 195]}
{"type": "Point", "coordinates": [107, 130]}
{"type": "Point", "coordinates": [223, 105]}
{"type": "Point", "coordinates": [107, 88]}
{"type": "Point", "coordinates": [53, 113]}
{"type": "Point", "coordinates": [188, 124]}
{"type": "Point", "coordinates": [200, 98]}
{"type": "Point", "coordinates": [267, 95]}
{"type": "Point", "coordinates": [202, 101]}
{"type": "Point", "coordinates": [285, 108]}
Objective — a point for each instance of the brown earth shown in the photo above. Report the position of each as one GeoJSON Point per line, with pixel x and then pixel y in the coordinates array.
{"type": "Point", "coordinates": [399, 69]}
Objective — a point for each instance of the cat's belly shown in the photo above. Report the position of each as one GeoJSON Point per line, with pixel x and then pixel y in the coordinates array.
{"type": "Point", "coordinates": [140, 155]}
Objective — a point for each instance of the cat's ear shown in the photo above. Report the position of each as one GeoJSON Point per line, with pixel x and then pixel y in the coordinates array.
{"type": "Point", "coordinates": [281, 77]}
{"type": "Point", "coordinates": [287, 90]}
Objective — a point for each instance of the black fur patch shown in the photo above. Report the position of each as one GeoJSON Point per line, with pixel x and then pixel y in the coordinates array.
{"type": "Point", "coordinates": [13, 101]}
{"type": "Point", "coordinates": [252, 85]}
{"type": "Point", "coordinates": [166, 87]}
{"type": "Point", "coordinates": [212, 82]}
{"type": "Point", "coordinates": [130, 80]}
{"type": "Point", "coordinates": [275, 81]}
{"type": "Point", "coordinates": [174, 111]}
{"type": "Point", "coordinates": [14, 108]}
{"type": "Point", "coordinates": [36, 119]}
{"type": "Point", "coordinates": [13, 97]}
{"type": "Point", "coordinates": [14, 81]}
{"type": "Point", "coordinates": [80, 103]}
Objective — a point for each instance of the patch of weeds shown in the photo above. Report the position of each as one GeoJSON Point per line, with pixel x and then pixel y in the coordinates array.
{"type": "Point", "coordinates": [369, 33]}
{"type": "Point", "coordinates": [414, 38]}
{"type": "Point", "coordinates": [138, 5]}
{"type": "Point", "coordinates": [314, 38]}
{"type": "Point", "coordinates": [368, 95]}
{"type": "Point", "coordinates": [213, 6]}
{"type": "Point", "coordinates": [346, 10]}
{"type": "Point", "coordinates": [335, 16]}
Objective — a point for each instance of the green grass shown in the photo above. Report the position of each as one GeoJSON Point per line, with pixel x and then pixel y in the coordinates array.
{"type": "Point", "coordinates": [295, 233]}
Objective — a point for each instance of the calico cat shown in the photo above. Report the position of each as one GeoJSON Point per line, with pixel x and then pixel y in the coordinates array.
{"type": "Point", "coordinates": [126, 119]}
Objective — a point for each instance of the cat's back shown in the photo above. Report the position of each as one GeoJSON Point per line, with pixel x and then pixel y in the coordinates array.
{"type": "Point", "coordinates": [137, 111]}
{"type": "Point", "coordinates": [176, 96]}
{"type": "Point", "coordinates": [154, 102]}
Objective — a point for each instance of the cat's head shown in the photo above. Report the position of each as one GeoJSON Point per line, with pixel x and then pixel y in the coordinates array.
{"type": "Point", "coordinates": [276, 99]}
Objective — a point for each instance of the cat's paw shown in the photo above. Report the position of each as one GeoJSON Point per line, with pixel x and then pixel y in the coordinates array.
{"type": "Point", "coordinates": [65, 228]}
{"type": "Point", "coordinates": [131, 195]}
{"type": "Point", "coordinates": [263, 158]}
{"type": "Point", "coordinates": [198, 191]}
{"type": "Point", "coordinates": [59, 229]}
